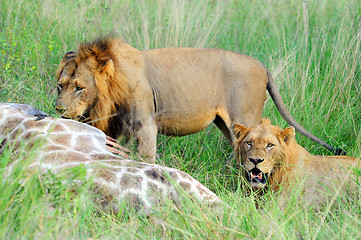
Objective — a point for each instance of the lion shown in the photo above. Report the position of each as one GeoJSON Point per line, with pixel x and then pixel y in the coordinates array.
{"type": "Point", "coordinates": [174, 91]}
{"type": "Point", "coordinates": [271, 159]}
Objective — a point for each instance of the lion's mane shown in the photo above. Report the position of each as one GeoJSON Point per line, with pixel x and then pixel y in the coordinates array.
{"type": "Point", "coordinates": [113, 92]}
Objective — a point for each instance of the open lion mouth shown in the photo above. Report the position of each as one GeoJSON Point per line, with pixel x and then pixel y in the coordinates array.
{"type": "Point", "coordinates": [257, 176]}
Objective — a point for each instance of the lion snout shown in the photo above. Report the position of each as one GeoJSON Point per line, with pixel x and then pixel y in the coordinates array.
{"type": "Point", "coordinates": [60, 110]}
{"type": "Point", "coordinates": [255, 161]}
{"type": "Point", "coordinates": [60, 106]}
{"type": "Point", "coordinates": [64, 112]}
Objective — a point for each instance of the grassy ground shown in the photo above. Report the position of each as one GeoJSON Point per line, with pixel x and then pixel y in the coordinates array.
{"type": "Point", "coordinates": [311, 47]}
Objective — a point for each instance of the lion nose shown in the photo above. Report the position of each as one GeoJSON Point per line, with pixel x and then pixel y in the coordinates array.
{"type": "Point", "coordinates": [255, 161]}
{"type": "Point", "coordinates": [60, 110]}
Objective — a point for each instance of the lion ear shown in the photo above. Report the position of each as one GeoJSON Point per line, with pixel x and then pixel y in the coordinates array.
{"type": "Point", "coordinates": [108, 68]}
{"type": "Point", "coordinates": [288, 134]}
{"type": "Point", "coordinates": [239, 130]}
{"type": "Point", "coordinates": [265, 122]}
{"type": "Point", "coordinates": [67, 58]}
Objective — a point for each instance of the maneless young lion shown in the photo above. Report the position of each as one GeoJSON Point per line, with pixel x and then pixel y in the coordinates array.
{"type": "Point", "coordinates": [174, 91]}
{"type": "Point", "coordinates": [272, 159]}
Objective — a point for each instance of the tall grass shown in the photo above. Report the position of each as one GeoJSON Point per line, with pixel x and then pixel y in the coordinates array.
{"type": "Point", "coordinates": [312, 49]}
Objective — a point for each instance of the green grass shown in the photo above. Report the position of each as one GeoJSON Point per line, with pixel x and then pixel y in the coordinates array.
{"type": "Point", "coordinates": [312, 50]}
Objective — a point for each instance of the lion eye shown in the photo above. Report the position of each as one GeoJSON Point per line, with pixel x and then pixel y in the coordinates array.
{"type": "Point", "coordinates": [269, 145]}
{"type": "Point", "coordinates": [249, 143]}
{"type": "Point", "coordinates": [78, 89]}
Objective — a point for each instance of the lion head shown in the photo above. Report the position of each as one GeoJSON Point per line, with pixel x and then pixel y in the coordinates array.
{"type": "Point", "coordinates": [90, 88]}
{"type": "Point", "coordinates": [265, 152]}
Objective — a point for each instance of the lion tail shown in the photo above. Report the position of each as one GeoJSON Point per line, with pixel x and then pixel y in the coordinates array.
{"type": "Point", "coordinates": [281, 107]}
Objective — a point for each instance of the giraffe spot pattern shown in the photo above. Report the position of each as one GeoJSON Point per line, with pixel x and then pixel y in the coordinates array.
{"type": "Point", "coordinates": [67, 144]}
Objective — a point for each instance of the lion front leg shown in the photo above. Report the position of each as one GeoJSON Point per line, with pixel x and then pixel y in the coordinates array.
{"type": "Point", "coordinates": [147, 142]}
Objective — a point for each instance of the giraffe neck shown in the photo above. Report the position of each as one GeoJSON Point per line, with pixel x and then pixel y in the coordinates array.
{"type": "Point", "coordinates": [67, 143]}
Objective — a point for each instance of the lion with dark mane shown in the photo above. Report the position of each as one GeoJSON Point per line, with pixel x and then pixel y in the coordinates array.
{"type": "Point", "coordinates": [174, 91]}
{"type": "Point", "coordinates": [270, 158]}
